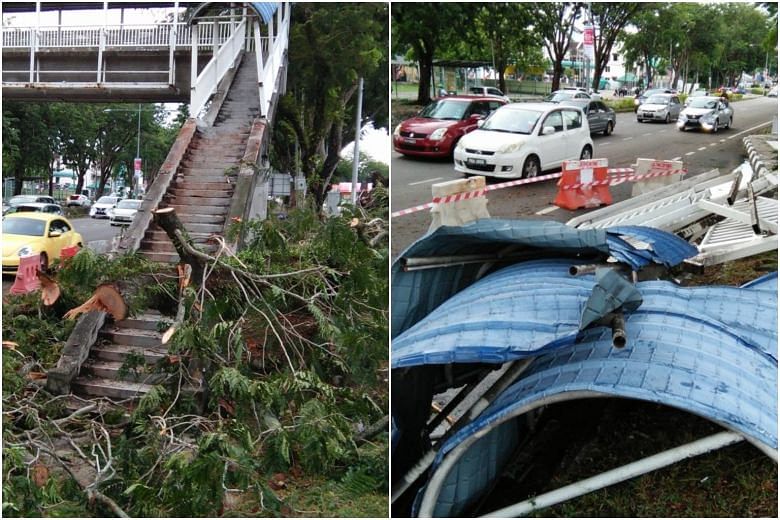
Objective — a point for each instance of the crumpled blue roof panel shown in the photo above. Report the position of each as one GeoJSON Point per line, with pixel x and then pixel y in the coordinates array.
{"type": "Point", "coordinates": [768, 282]}
{"type": "Point", "coordinates": [416, 293]}
{"type": "Point", "coordinates": [668, 360]}
{"type": "Point", "coordinates": [533, 307]}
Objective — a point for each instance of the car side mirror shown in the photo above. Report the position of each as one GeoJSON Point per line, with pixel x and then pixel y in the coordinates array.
{"type": "Point", "coordinates": [480, 123]}
{"type": "Point", "coordinates": [548, 130]}
{"type": "Point", "coordinates": [55, 234]}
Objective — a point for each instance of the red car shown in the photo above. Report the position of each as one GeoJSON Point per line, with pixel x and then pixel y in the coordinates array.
{"type": "Point", "coordinates": [435, 131]}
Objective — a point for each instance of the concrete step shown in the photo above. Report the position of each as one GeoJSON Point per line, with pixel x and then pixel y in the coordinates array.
{"type": "Point", "coordinates": [160, 236]}
{"type": "Point", "coordinates": [132, 337]}
{"type": "Point", "coordinates": [98, 386]}
{"type": "Point", "coordinates": [114, 352]}
{"type": "Point", "coordinates": [168, 247]}
{"type": "Point", "coordinates": [148, 320]}
{"type": "Point", "coordinates": [196, 201]}
{"type": "Point", "coordinates": [225, 192]}
{"type": "Point", "coordinates": [201, 210]}
{"type": "Point", "coordinates": [208, 173]}
{"type": "Point", "coordinates": [111, 370]}
{"type": "Point", "coordinates": [192, 183]}
{"type": "Point", "coordinates": [163, 258]}
{"type": "Point", "coordinates": [195, 218]}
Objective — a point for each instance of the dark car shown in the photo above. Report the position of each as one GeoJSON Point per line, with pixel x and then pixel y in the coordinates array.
{"type": "Point", "coordinates": [438, 127]}
{"type": "Point", "coordinates": [601, 118]}
{"type": "Point", "coordinates": [650, 92]}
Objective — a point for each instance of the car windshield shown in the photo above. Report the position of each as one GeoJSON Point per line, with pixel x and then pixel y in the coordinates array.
{"type": "Point", "coordinates": [476, 90]}
{"type": "Point", "coordinates": [657, 100]}
{"type": "Point", "coordinates": [560, 96]}
{"type": "Point", "coordinates": [445, 109]}
{"type": "Point", "coordinates": [129, 204]}
{"type": "Point", "coordinates": [703, 103]}
{"type": "Point", "coordinates": [24, 226]}
{"type": "Point", "coordinates": [512, 120]}
{"type": "Point", "coordinates": [107, 200]}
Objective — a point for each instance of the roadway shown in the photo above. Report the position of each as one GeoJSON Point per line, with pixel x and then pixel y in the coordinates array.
{"type": "Point", "coordinates": [411, 178]}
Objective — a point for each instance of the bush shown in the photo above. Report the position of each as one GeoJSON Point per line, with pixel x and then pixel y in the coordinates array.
{"type": "Point", "coordinates": [620, 105]}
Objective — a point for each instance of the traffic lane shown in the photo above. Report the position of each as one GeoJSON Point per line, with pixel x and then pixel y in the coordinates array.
{"type": "Point", "coordinates": [412, 177]}
{"type": "Point", "coordinates": [699, 152]}
{"type": "Point", "coordinates": [97, 235]}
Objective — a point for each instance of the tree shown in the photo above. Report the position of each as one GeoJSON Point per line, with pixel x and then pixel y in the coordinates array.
{"type": "Point", "coordinates": [499, 33]}
{"type": "Point", "coordinates": [331, 46]}
{"type": "Point", "coordinates": [555, 24]}
{"type": "Point", "coordinates": [642, 46]}
{"type": "Point", "coordinates": [612, 19]}
{"type": "Point", "coordinates": [426, 28]}
{"type": "Point", "coordinates": [27, 150]}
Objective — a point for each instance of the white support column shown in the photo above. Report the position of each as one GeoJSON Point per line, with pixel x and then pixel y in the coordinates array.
{"type": "Point", "coordinates": [172, 44]}
{"type": "Point", "coordinates": [243, 17]}
{"type": "Point", "coordinates": [34, 40]}
{"type": "Point", "coordinates": [102, 44]}
{"type": "Point", "coordinates": [271, 45]}
{"type": "Point", "coordinates": [194, 62]}
{"type": "Point", "coordinates": [259, 62]}
{"type": "Point", "coordinates": [215, 45]}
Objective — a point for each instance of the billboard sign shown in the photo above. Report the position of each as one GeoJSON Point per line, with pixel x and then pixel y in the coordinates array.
{"type": "Point", "coordinates": [587, 41]}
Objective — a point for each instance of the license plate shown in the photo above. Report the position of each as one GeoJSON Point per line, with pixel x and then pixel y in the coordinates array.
{"type": "Point", "coordinates": [471, 160]}
{"type": "Point", "coordinates": [409, 140]}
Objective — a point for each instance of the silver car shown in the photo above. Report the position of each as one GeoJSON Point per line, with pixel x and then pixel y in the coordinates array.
{"type": "Point", "coordinates": [659, 107]}
{"type": "Point", "coordinates": [601, 118]}
{"type": "Point", "coordinates": [707, 113]}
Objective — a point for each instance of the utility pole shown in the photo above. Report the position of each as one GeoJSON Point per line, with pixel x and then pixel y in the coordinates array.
{"type": "Point", "coordinates": [356, 150]}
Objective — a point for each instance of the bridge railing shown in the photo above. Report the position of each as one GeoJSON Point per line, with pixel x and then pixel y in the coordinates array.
{"type": "Point", "coordinates": [116, 35]}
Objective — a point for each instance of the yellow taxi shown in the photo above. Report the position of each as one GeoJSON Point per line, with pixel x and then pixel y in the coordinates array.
{"type": "Point", "coordinates": [27, 234]}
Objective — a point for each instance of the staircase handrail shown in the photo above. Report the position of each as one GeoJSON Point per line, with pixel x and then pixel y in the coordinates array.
{"type": "Point", "coordinates": [154, 195]}
{"type": "Point", "coordinates": [216, 68]}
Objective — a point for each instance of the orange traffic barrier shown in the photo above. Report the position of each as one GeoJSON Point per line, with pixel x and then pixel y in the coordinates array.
{"type": "Point", "coordinates": [68, 252]}
{"type": "Point", "coordinates": [583, 184]}
{"type": "Point", "coordinates": [27, 275]}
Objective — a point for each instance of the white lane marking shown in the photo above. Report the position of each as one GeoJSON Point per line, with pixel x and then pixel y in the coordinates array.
{"type": "Point", "coordinates": [648, 133]}
{"type": "Point", "coordinates": [722, 140]}
{"type": "Point", "coordinates": [713, 144]}
{"type": "Point", "coordinates": [750, 129]}
{"type": "Point", "coordinates": [425, 181]}
{"type": "Point", "coordinates": [547, 210]}
{"type": "Point", "coordinates": [604, 144]}
{"type": "Point", "coordinates": [677, 158]}
{"type": "Point", "coordinates": [627, 138]}
{"type": "Point", "coordinates": [690, 153]}
{"type": "Point", "coordinates": [702, 148]}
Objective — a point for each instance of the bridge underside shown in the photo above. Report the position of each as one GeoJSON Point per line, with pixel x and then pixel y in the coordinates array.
{"type": "Point", "coordinates": [135, 75]}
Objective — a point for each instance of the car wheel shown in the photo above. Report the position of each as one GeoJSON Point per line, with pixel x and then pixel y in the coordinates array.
{"type": "Point", "coordinates": [44, 266]}
{"type": "Point", "coordinates": [667, 118]}
{"type": "Point", "coordinates": [716, 127]}
{"type": "Point", "coordinates": [608, 129]}
{"type": "Point", "coordinates": [586, 153]}
{"type": "Point", "coordinates": [640, 120]}
{"type": "Point", "coordinates": [728, 125]}
{"type": "Point", "coordinates": [531, 167]}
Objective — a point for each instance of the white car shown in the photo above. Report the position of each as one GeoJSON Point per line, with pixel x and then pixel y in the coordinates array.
{"type": "Point", "coordinates": [124, 212]}
{"type": "Point", "coordinates": [103, 204]}
{"type": "Point", "coordinates": [78, 200]}
{"type": "Point", "coordinates": [706, 113]}
{"type": "Point", "coordinates": [524, 139]}
{"type": "Point", "coordinates": [488, 91]}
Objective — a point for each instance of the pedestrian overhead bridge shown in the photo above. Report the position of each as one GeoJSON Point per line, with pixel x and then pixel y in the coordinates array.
{"type": "Point", "coordinates": [176, 61]}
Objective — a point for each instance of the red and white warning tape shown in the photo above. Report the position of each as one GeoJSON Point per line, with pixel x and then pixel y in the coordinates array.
{"type": "Point", "coordinates": [620, 179]}
{"type": "Point", "coordinates": [616, 179]}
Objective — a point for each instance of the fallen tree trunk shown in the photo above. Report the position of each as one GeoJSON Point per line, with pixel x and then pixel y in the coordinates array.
{"type": "Point", "coordinates": [167, 219]}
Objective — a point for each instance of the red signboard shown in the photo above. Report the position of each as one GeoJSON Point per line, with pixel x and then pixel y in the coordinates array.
{"type": "Point", "coordinates": [587, 36]}
{"type": "Point", "coordinates": [137, 165]}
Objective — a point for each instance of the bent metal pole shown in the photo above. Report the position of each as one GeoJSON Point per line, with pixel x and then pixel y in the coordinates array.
{"type": "Point", "coordinates": [614, 476]}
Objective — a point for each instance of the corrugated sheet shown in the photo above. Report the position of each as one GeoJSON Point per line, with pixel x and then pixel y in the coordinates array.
{"type": "Point", "coordinates": [711, 351]}
{"type": "Point", "coordinates": [265, 9]}
{"type": "Point", "coordinates": [415, 294]}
